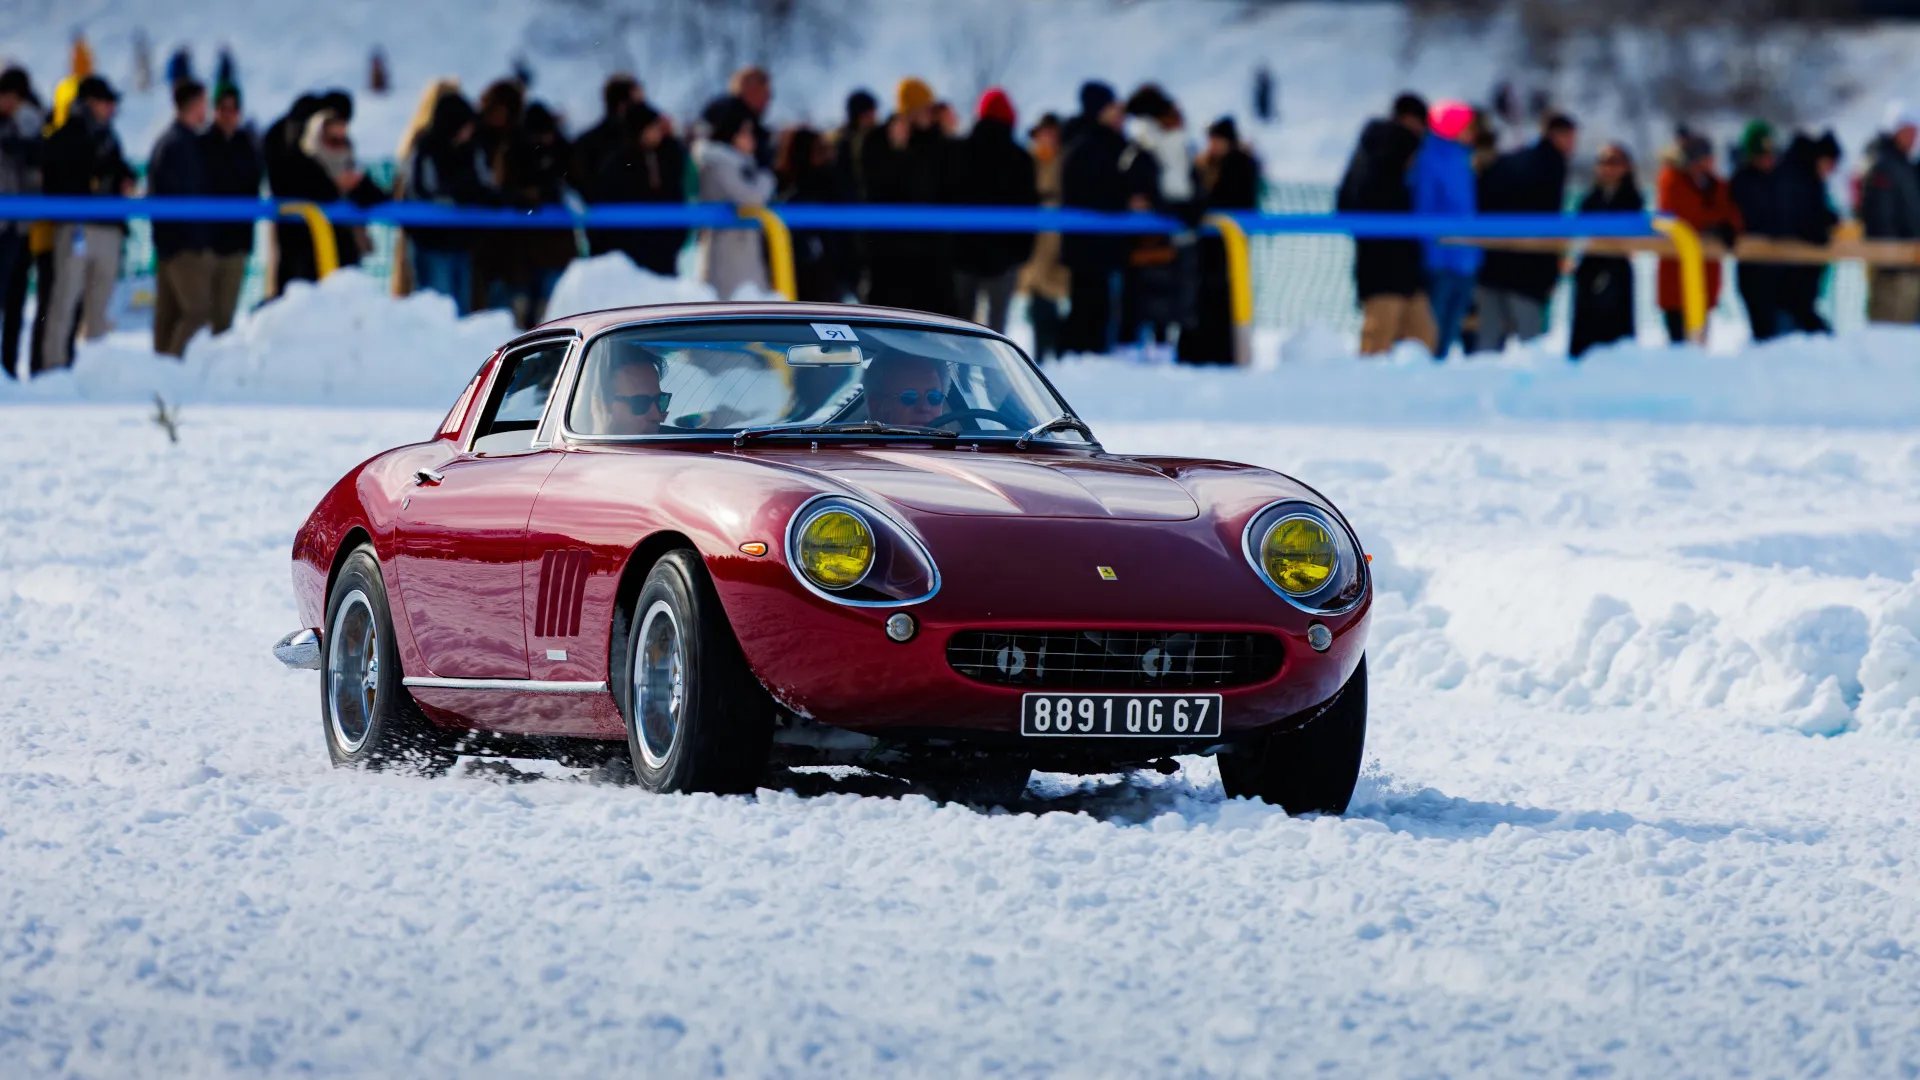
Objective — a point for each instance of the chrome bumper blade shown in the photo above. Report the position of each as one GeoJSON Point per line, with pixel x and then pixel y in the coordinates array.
{"type": "Point", "coordinates": [299, 650]}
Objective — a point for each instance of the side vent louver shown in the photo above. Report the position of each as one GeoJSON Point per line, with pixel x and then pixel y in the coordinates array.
{"type": "Point", "coordinates": [563, 585]}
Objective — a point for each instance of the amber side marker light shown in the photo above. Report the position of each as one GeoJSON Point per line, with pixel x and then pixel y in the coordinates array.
{"type": "Point", "coordinates": [754, 548]}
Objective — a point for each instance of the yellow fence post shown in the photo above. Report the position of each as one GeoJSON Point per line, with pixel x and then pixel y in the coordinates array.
{"type": "Point", "coordinates": [326, 250]}
{"type": "Point", "coordinates": [779, 249]}
{"type": "Point", "coordinates": [1239, 284]}
{"type": "Point", "coordinates": [1693, 275]}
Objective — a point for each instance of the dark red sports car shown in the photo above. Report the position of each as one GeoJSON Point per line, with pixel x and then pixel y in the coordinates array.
{"type": "Point", "coordinates": [728, 536]}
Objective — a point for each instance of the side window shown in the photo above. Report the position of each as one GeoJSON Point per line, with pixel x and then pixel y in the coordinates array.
{"type": "Point", "coordinates": [519, 397]}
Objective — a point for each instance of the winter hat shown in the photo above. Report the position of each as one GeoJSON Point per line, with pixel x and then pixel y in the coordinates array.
{"type": "Point", "coordinates": [1449, 118]}
{"type": "Point", "coordinates": [226, 90]}
{"type": "Point", "coordinates": [725, 117]}
{"type": "Point", "coordinates": [912, 95]}
{"type": "Point", "coordinates": [1898, 114]}
{"type": "Point", "coordinates": [1827, 146]}
{"type": "Point", "coordinates": [995, 105]}
{"type": "Point", "coordinates": [14, 81]}
{"type": "Point", "coordinates": [95, 88]}
{"type": "Point", "coordinates": [1694, 147]}
{"type": "Point", "coordinates": [1095, 96]}
{"type": "Point", "coordinates": [1149, 101]}
{"type": "Point", "coordinates": [1756, 138]}
{"type": "Point", "coordinates": [860, 103]}
{"type": "Point", "coordinates": [1224, 128]}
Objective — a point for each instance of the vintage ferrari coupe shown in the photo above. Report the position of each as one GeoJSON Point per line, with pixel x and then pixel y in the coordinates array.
{"type": "Point", "coordinates": [726, 537]}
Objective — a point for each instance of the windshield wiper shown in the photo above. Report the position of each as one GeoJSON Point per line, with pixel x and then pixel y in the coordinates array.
{"type": "Point", "coordinates": [1063, 422]}
{"type": "Point", "coordinates": [855, 427]}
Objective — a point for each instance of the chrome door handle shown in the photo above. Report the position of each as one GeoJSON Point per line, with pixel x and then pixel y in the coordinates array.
{"type": "Point", "coordinates": [426, 477]}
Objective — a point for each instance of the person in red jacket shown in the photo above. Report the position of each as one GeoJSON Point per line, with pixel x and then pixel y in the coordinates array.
{"type": "Point", "coordinates": [1692, 191]}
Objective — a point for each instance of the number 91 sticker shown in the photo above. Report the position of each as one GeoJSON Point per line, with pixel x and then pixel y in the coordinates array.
{"type": "Point", "coordinates": [1165, 716]}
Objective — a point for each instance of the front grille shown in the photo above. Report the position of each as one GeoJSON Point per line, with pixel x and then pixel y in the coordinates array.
{"type": "Point", "coordinates": [1114, 659]}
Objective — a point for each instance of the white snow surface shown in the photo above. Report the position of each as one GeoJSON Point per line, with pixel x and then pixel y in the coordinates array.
{"type": "Point", "coordinates": [1593, 838]}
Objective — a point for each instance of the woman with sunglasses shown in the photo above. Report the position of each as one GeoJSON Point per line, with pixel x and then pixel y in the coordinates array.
{"type": "Point", "coordinates": [1603, 284]}
{"type": "Point", "coordinates": [909, 391]}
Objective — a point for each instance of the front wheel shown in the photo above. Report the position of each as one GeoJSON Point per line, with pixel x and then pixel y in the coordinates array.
{"type": "Point", "coordinates": [369, 718]}
{"type": "Point", "coordinates": [1312, 769]}
{"type": "Point", "coordinates": [697, 719]}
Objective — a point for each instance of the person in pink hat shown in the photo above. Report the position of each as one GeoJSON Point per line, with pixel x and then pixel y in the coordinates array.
{"type": "Point", "coordinates": [1443, 184]}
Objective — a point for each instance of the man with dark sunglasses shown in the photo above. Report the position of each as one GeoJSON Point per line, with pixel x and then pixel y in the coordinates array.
{"type": "Point", "coordinates": [630, 396]}
{"type": "Point", "coordinates": [909, 391]}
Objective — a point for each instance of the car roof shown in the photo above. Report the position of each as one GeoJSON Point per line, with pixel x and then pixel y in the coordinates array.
{"type": "Point", "coordinates": [589, 323]}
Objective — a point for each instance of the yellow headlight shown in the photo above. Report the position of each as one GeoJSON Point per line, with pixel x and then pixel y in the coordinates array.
{"type": "Point", "coordinates": [1299, 555]}
{"type": "Point", "coordinates": [836, 549]}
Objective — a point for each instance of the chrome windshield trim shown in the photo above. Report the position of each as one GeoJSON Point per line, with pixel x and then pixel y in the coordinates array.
{"type": "Point", "coordinates": [564, 429]}
{"type": "Point", "coordinates": [518, 345]}
{"type": "Point", "coordinates": [525, 686]}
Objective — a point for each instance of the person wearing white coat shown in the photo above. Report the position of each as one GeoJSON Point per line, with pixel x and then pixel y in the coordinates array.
{"type": "Point", "coordinates": [729, 172]}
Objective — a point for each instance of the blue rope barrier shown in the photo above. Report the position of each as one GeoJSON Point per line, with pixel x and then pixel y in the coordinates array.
{"type": "Point", "coordinates": [825, 217]}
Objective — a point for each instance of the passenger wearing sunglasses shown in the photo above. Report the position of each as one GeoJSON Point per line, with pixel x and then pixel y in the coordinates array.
{"type": "Point", "coordinates": [908, 391]}
{"type": "Point", "coordinates": [630, 398]}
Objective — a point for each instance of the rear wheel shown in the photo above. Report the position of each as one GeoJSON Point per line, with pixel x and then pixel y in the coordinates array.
{"type": "Point", "coordinates": [1309, 770]}
{"type": "Point", "coordinates": [369, 718]}
{"type": "Point", "coordinates": [697, 719]}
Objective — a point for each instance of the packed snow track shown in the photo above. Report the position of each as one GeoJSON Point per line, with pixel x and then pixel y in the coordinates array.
{"type": "Point", "coordinates": [1640, 802]}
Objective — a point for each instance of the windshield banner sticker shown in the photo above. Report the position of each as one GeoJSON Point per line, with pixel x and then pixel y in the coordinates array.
{"type": "Point", "coordinates": [833, 331]}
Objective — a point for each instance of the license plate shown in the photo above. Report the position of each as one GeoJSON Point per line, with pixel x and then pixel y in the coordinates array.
{"type": "Point", "coordinates": [1176, 716]}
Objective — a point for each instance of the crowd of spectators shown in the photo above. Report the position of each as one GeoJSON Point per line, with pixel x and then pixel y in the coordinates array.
{"type": "Point", "coordinates": [1442, 159]}
{"type": "Point", "coordinates": [1166, 296]}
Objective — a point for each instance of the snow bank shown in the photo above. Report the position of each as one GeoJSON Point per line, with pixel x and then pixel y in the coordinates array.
{"type": "Point", "coordinates": [1866, 378]}
{"type": "Point", "coordinates": [343, 341]}
{"type": "Point", "coordinates": [1763, 575]}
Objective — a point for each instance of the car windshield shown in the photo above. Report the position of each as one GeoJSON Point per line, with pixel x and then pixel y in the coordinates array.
{"type": "Point", "coordinates": [776, 377]}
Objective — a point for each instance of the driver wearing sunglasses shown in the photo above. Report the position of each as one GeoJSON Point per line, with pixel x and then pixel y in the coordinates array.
{"type": "Point", "coordinates": [909, 391]}
{"type": "Point", "coordinates": [630, 398]}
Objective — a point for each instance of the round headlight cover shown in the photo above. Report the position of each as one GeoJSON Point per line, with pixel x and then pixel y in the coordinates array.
{"type": "Point", "coordinates": [835, 549]}
{"type": "Point", "coordinates": [1299, 555]}
{"type": "Point", "coordinates": [1305, 553]}
{"type": "Point", "coordinates": [845, 550]}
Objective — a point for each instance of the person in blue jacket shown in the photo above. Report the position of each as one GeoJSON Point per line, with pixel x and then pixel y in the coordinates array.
{"type": "Point", "coordinates": [1443, 183]}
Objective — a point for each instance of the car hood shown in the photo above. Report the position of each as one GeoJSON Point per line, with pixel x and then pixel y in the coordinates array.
{"type": "Point", "coordinates": [952, 481]}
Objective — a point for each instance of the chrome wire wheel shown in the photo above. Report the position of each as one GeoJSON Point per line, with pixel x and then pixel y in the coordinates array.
{"type": "Point", "coordinates": [353, 671]}
{"type": "Point", "coordinates": [659, 683]}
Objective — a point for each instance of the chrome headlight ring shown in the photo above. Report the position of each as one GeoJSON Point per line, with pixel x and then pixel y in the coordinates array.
{"type": "Point", "coordinates": [1345, 587]}
{"type": "Point", "coordinates": [902, 573]}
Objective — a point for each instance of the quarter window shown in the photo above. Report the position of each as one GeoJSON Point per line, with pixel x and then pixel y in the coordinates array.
{"type": "Point", "coordinates": [519, 398]}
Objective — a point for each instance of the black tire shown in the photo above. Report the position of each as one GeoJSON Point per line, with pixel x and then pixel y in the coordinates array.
{"type": "Point", "coordinates": [374, 724]}
{"type": "Point", "coordinates": [722, 736]}
{"type": "Point", "coordinates": [1311, 769]}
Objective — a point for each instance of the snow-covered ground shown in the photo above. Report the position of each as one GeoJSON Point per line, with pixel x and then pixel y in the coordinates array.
{"type": "Point", "coordinates": [1593, 839]}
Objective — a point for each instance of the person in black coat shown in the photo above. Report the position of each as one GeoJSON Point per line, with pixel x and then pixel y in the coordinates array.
{"type": "Point", "coordinates": [993, 171]}
{"type": "Point", "coordinates": [621, 95]}
{"type": "Point", "coordinates": [1757, 188]}
{"type": "Point", "coordinates": [803, 166]}
{"type": "Point", "coordinates": [1515, 286]}
{"type": "Point", "coordinates": [1092, 177]}
{"type": "Point", "coordinates": [1229, 180]}
{"type": "Point", "coordinates": [911, 163]}
{"type": "Point", "coordinates": [234, 168]}
{"type": "Point", "coordinates": [1389, 273]}
{"type": "Point", "coordinates": [448, 169]}
{"type": "Point", "coordinates": [183, 250]}
{"type": "Point", "coordinates": [1811, 218]}
{"type": "Point", "coordinates": [648, 165]}
{"type": "Point", "coordinates": [83, 157]}
{"type": "Point", "coordinates": [1603, 284]}
{"type": "Point", "coordinates": [321, 170]}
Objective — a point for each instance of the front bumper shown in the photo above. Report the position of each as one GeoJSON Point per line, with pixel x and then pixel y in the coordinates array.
{"type": "Point", "coordinates": [299, 650]}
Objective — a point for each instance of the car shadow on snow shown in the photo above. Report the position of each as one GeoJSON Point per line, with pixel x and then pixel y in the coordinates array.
{"type": "Point", "coordinates": [1193, 796]}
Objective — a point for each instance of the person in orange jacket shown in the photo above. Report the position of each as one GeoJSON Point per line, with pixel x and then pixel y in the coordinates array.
{"type": "Point", "coordinates": [1690, 189]}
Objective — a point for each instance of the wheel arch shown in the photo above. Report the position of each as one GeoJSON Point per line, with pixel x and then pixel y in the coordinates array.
{"type": "Point", "coordinates": [633, 577]}
{"type": "Point", "coordinates": [356, 537]}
